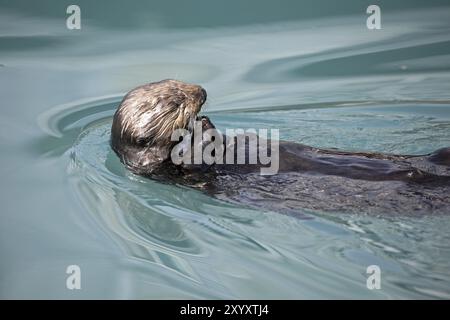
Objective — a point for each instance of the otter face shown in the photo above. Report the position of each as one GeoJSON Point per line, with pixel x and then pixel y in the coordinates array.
{"type": "Point", "coordinates": [149, 114]}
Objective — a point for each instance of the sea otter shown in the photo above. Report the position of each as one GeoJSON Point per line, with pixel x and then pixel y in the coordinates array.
{"type": "Point", "coordinates": [306, 178]}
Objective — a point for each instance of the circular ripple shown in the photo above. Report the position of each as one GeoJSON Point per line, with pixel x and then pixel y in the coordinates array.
{"type": "Point", "coordinates": [185, 231]}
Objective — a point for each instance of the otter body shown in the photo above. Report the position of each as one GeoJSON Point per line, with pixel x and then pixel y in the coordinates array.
{"type": "Point", "coordinates": [308, 178]}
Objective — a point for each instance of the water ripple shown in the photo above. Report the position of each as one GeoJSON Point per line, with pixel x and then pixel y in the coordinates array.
{"type": "Point", "coordinates": [190, 235]}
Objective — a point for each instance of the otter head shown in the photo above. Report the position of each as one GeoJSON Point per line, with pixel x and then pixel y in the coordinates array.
{"type": "Point", "coordinates": [148, 115]}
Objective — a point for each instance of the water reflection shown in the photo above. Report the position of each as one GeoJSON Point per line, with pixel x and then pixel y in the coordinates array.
{"type": "Point", "coordinates": [184, 231]}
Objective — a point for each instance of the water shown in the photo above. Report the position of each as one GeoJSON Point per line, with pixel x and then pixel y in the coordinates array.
{"type": "Point", "coordinates": [311, 70]}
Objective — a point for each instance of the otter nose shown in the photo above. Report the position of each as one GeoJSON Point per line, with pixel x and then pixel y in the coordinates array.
{"type": "Point", "coordinates": [204, 95]}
